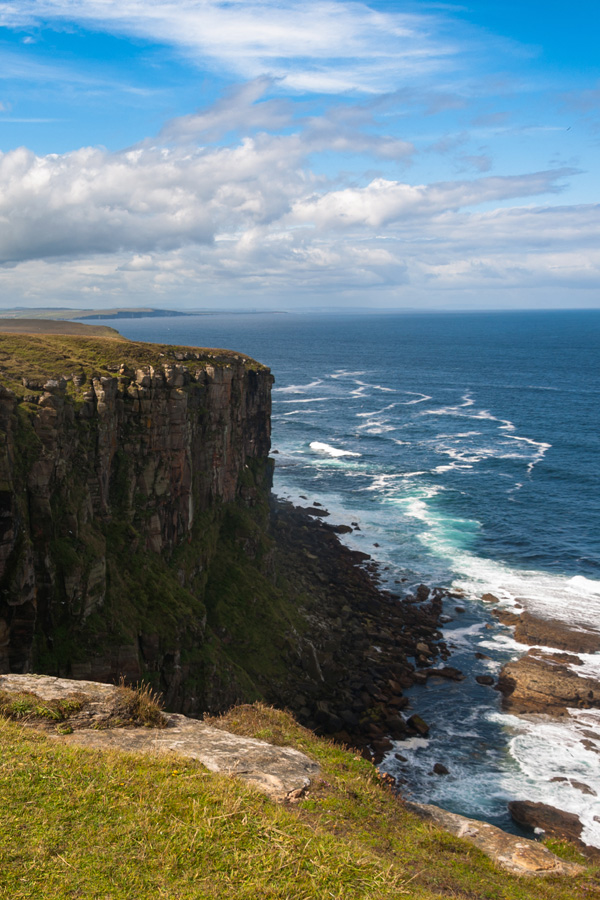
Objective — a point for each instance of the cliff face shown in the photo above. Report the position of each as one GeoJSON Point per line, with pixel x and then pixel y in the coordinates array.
{"type": "Point", "coordinates": [105, 477]}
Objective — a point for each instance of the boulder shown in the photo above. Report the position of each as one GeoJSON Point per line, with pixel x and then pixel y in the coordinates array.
{"type": "Point", "coordinates": [555, 822]}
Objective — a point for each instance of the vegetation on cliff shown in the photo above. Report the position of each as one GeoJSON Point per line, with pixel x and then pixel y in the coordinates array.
{"type": "Point", "coordinates": [99, 824]}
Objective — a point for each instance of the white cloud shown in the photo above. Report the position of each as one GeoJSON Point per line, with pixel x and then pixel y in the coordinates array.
{"type": "Point", "coordinates": [318, 45]}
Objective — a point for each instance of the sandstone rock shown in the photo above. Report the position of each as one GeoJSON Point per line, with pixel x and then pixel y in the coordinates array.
{"type": "Point", "coordinates": [540, 684]}
{"type": "Point", "coordinates": [489, 598]}
{"type": "Point", "coordinates": [515, 854]}
{"type": "Point", "coordinates": [530, 629]}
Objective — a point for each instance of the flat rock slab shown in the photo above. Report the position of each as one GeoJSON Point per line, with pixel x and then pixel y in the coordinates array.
{"type": "Point", "coordinates": [515, 854]}
{"type": "Point", "coordinates": [276, 771]}
{"type": "Point", "coordinates": [540, 684]}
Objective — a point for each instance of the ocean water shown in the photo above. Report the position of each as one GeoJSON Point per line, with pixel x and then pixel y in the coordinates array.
{"type": "Point", "coordinates": [466, 448]}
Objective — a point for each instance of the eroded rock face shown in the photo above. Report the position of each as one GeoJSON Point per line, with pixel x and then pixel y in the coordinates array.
{"type": "Point", "coordinates": [130, 466]}
{"type": "Point", "coordinates": [541, 684]}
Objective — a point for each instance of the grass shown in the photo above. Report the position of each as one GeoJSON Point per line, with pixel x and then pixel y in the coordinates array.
{"type": "Point", "coordinates": [112, 826]}
{"type": "Point", "coordinates": [40, 357]}
{"type": "Point", "coordinates": [139, 705]}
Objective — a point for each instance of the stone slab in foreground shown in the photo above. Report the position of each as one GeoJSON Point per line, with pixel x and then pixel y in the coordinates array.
{"type": "Point", "coordinates": [515, 854]}
{"type": "Point", "coordinates": [277, 771]}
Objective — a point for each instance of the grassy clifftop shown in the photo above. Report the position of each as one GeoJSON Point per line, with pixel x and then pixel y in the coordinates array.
{"type": "Point", "coordinates": [81, 823]}
{"type": "Point", "coordinates": [42, 356]}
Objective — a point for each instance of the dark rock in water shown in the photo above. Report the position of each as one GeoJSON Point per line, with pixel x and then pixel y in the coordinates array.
{"type": "Point", "coordinates": [440, 769]}
{"type": "Point", "coordinates": [459, 609]}
{"type": "Point", "coordinates": [450, 673]}
{"type": "Point", "coordinates": [484, 679]}
{"type": "Point", "coordinates": [341, 529]}
{"type": "Point", "coordinates": [584, 788]}
{"type": "Point", "coordinates": [316, 503]}
{"type": "Point", "coordinates": [422, 593]}
{"type": "Point", "coordinates": [418, 724]}
{"type": "Point", "coordinates": [489, 598]}
{"type": "Point", "coordinates": [313, 511]}
{"type": "Point", "coordinates": [555, 822]}
{"type": "Point", "coordinates": [481, 656]}
{"type": "Point", "coordinates": [400, 757]}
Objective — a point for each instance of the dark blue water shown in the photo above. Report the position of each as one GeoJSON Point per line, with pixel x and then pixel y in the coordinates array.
{"type": "Point", "coordinates": [466, 447]}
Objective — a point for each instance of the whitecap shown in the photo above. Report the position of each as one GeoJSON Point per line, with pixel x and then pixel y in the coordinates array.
{"type": "Point", "coordinates": [328, 450]}
{"type": "Point", "coordinates": [306, 400]}
{"type": "Point", "coordinates": [297, 388]}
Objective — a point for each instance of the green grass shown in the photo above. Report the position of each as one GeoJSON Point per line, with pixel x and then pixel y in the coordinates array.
{"type": "Point", "coordinates": [112, 826]}
{"type": "Point", "coordinates": [40, 357]}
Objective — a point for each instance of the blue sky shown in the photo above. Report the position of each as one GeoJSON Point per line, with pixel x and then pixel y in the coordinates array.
{"type": "Point", "coordinates": [196, 153]}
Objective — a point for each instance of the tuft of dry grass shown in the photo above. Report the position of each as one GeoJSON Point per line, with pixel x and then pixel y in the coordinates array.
{"type": "Point", "coordinates": [139, 705]}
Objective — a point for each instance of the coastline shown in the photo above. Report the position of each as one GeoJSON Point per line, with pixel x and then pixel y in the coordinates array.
{"type": "Point", "coordinates": [396, 623]}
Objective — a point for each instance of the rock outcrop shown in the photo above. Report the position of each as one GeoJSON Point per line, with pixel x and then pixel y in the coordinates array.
{"type": "Point", "coordinates": [543, 684]}
{"type": "Point", "coordinates": [515, 854]}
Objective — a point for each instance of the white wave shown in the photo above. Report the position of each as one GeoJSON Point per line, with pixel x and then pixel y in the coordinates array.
{"type": "Point", "coordinates": [585, 585]}
{"type": "Point", "coordinates": [298, 412]}
{"type": "Point", "coordinates": [550, 749]}
{"type": "Point", "coordinates": [297, 388]}
{"type": "Point", "coordinates": [306, 400]}
{"type": "Point", "coordinates": [420, 398]}
{"type": "Point", "coordinates": [377, 387]}
{"type": "Point", "coordinates": [451, 466]}
{"type": "Point", "coordinates": [541, 449]}
{"type": "Point", "coordinates": [376, 427]}
{"type": "Point", "coordinates": [328, 450]}
{"type": "Point", "coordinates": [376, 412]}
{"type": "Point", "coordinates": [344, 373]}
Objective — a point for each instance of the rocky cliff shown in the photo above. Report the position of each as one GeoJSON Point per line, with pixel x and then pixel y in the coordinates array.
{"type": "Point", "coordinates": [117, 463]}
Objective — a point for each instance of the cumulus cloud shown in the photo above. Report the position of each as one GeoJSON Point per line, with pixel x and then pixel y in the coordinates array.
{"type": "Point", "coordinates": [320, 45]}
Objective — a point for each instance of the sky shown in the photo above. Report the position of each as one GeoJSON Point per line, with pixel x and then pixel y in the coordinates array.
{"type": "Point", "coordinates": [295, 154]}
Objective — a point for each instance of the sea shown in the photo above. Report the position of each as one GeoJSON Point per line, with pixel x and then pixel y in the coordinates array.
{"type": "Point", "coordinates": [465, 446]}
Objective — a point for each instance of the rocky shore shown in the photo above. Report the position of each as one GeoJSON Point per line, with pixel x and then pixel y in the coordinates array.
{"type": "Point", "coordinates": [365, 647]}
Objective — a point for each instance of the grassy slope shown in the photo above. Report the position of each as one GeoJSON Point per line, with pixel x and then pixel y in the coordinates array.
{"type": "Point", "coordinates": [89, 824]}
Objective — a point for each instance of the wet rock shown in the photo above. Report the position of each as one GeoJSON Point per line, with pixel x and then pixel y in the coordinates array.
{"type": "Point", "coordinates": [540, 684]}
{"type": "Point", "coordinates": [555, 822]}
{"type": "Point", "coordinates": [530, 629]}
{"type": "Point", "coordinates": [440, 769]}
{"type": "Point", "coordinates": [418, 724]}
{"type": "Point", "coordinates": [484, 679]}
{"type": "Point", "coordinates": [489, 598]}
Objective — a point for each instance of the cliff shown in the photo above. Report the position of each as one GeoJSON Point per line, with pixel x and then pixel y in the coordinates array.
{"type": "Point", "coordinates": [118, 462]}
